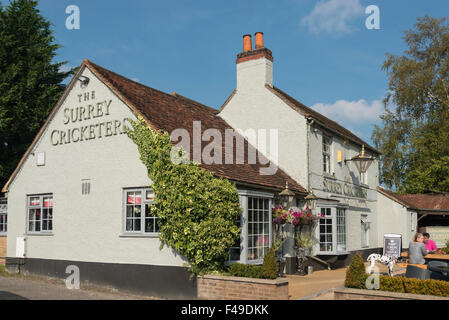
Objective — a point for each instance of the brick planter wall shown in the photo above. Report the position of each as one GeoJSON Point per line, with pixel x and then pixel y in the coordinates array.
{"type": "Point", "coordinates": [357, 294]}
{"type": "Point", "coordinates": [234, 288]}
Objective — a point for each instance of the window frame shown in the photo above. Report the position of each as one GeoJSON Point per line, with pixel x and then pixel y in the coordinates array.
{"type": "Point", "coordinates": [3, 223]}
{"type": "Point", "coordinates": [41, 220]}
{"type": "Point", "coordinates": [365, 232]}
{"type": "Point", "coordinates": [142, 233]}
{"type": "Point", "coordinates": [327, 154]}
{"type": "Point", "coordinates": [335, 239]}
{"type": "Point", "coordinates": [364, 178]}
{"type": "Point", "coordinates": [244, 236]}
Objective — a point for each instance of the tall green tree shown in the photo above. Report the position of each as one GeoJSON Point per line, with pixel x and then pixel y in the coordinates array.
{"type": "Point", "coordinates": [414, 135]}
{"type": "Point", "coordinates": [30, 82]}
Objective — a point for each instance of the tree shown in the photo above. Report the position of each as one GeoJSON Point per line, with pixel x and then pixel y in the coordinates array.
{"type": "Point", "coordinates": [30, 82]}
{"type": "Point", "coordinates": [414, 136]}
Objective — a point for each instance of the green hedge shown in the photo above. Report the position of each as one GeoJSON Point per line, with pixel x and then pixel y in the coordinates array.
{"type": "Point", "coordinates": [246, 271]}
{"type": "Point", "coordinates": [356, 278]}
{"type": "Point", "coordinates": [266, 271]}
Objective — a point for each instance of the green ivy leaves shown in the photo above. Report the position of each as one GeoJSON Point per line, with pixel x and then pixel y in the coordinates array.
{"type": "Point", "coordinates": [197, 212]}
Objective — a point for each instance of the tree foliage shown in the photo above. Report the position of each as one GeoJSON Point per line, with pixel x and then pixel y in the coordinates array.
{"type": "Point", "coordinates": [414, 136]}
{"type": "Point", "coordinates": [197, 212]}
{"type": "Point", "coordinates": [30, 82]}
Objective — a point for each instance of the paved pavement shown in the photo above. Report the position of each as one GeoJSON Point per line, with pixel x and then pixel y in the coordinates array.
{"type": "Point", "coordinates": [319, 285]}
{"type": "Point", "coordinates": [21, 288]}
{"type": "Point", "coordinates": [310, 286]}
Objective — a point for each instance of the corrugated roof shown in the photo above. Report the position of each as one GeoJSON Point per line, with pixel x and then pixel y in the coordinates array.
{"type": "Point", "coordinates": [419, 202]}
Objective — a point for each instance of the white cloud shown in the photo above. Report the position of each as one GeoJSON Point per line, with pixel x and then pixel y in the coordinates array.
{"type": "Point", "coordinates": [333, 16]}
{"type": "Point", "coordinates": [135, 79]}
{"type": "Point", "coordinates": [65, 68]}
{"type": "Point", "coordinates": [349, 113]}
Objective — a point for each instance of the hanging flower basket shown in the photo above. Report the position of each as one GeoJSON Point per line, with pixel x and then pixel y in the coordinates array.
{"type": "Point", "coordinates": [305, 217]}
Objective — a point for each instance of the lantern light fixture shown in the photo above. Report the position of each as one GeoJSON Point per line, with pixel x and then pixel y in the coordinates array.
{"type": "Point", "coordinates": [362, 161]}
{"type": "Point", "coordinates": [287, 197]}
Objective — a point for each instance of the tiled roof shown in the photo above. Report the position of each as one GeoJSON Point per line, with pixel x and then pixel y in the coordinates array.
{"type": "Point", "coordinates": [435, 202]}
{"type": "Point", "coordinates": [419, 202]}
{"type": "Point", "coordinates": [169, 112]}
{"type": "Point", "coordinates": [328, 123]}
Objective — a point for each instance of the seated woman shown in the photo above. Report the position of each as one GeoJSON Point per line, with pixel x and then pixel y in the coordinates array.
{"type": "Point", "coordinates": [417, 250]}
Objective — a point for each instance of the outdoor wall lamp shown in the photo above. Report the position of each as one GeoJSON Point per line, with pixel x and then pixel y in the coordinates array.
{"type": "Point", "coordinates": [84, 81]}
{"type": "Point", "coordinates": [362, 161]}
{"type": "Point", "coordinates": [287, 197]}
{"type": "Point", "coordinates": [311, 200]}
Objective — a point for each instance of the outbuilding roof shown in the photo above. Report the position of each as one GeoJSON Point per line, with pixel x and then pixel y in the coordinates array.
{"type": "Point", "coordinates": [420, 202]}
{"type": "Point", "coordinates": [167, 112]}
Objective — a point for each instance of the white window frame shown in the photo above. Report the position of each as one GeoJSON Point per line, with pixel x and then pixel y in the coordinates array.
{"type": "Point", "coordinates": [334, 215]}
{"type": "Point", "coordinates": [364, 178]}
{"type": "Point", "coordinates": [244, 196]}
{"type": "Point", "coordinates": [144, 202]}
{"type": "Point", "coordinates": [41, 220]}
{"type": "Point", "coordinates": [3, 218]}
{"type": "Point", "coordinates": [365, 223]}
{"type": "Point", "coordinates": [3, 222]}
{"type": "Point", "coordinates": [327, 154]}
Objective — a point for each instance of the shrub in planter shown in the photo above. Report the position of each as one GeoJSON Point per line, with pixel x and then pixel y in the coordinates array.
{"type": "Point", "coordinates": [269, 267]}
{"type": "Point", "coordinates": [266, 271]}
{"type": "Point", "coordinates": [415, 286]}
{"type": "Point", "coordinates": [245, 271]}
{"type": "Point", "coordinates": [391, 284]}
{"type": "Point", "coordinates": [356, 275]}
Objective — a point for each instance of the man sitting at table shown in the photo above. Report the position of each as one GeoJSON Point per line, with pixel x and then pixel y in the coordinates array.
{"type": "Point", "coordinates": [430, 244]}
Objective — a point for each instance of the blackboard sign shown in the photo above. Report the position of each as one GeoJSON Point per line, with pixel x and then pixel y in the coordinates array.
{"type": "Point", "coordinates": [392, 245]}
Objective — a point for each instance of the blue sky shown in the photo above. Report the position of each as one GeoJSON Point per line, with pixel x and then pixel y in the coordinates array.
{"type": "Point", "coordinates": [324, 55]}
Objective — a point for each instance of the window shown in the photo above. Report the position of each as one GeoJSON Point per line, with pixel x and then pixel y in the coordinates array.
{"type": "Point", "coordinates": [40, 214]}
{"type": "Point", "coordinates": [327, 141]}
{"type": "Point", "coordinates": [364, 178]}
{"type": "Point", "coordinates": [332, 231]}
{"type": "Point", "coordinates": [365, 225]}
{"type": "Point", "coordinates": [258, 227]}
{"type": "Point", "coordinates": [326, 231]}
{"type": "Point", "coordinates": [341, 230]}
{"type": "Point", "coordinates": [3, 218]}
{"type": "Point", "coordinates": [3, 222]}
{"type": "Point", "coordinates": [140, 212]}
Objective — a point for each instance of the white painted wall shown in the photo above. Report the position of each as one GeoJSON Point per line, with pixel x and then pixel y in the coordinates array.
{"type": "Point", "coordinates": [86, 228]}
{"type": "Point", "coordinates": [255, 107]}
{"type": "Point", "coordinates": [394, 218]}
{"type": "Point", "coordinates": [346, 173]}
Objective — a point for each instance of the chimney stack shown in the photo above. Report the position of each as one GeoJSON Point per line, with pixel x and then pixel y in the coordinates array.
{"type": "Point", "coordinates": [254, 66]}
{"type": "Point", "coordinates": [247, 43]}
{"type": "Point", "coordinates": [259, 40]}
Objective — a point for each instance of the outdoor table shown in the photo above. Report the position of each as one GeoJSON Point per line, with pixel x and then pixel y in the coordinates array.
{"type": "Point", "coordinates": [438, 257]}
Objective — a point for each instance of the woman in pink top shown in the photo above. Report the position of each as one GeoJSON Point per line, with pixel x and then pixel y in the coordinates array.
{"type": "Point", "coordinates": [430, 244]}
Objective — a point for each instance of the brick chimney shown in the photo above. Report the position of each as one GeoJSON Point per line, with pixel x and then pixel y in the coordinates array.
{"type": "Point", "coordinates": [254, 66]}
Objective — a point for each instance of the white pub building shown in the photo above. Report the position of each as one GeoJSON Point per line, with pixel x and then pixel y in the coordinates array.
{"type": "Point", "coordinates": [79, 195]}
